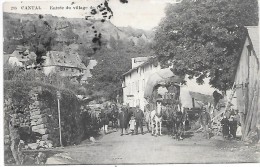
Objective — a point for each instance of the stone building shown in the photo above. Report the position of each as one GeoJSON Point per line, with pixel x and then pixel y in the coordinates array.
{"type": "Point", "coordinates": [64, 63]}
{"type": "Point", "coordinates": [21, 57]}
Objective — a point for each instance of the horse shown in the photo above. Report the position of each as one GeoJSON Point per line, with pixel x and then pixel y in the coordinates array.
{"type": "Point", "coordinates": [156, 118]}
{"type": "Point", "coordinates": [166, 115]}
{"type": "Point", "coordinates": [175, 118]}
{"type": "Point", "coordinates": [113, 116]}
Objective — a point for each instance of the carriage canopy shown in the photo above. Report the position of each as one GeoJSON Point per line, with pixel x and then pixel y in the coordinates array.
{"type": "Point", "coordinates": [161, 77]}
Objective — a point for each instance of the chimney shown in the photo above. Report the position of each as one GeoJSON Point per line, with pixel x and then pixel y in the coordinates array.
{"type": "Point", "coordinates": [138, 61]}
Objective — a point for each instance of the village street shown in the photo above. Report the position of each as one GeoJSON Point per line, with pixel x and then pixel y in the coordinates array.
{"type": "Point", "coordinates": [146, 149]}
{"type": "Point", "coordinates": [74, 70]}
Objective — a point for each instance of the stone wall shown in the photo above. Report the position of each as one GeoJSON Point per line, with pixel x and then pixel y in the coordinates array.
{"type": "Point", "coordinates": [31, 120]}
{"type": "Point", "coordinates": [40, 123]}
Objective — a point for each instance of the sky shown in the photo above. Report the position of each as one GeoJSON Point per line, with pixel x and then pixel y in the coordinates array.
{"type": "Point", "coordinates": [143, 14]}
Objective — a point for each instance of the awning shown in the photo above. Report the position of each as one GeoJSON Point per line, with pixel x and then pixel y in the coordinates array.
{"type": "Point", "coordinates": [160, 77]}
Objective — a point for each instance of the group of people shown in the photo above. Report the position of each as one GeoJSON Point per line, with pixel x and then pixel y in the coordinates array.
{"type": "Point", "coordinates": [230, 123]}
{"type": "Point", "coordinates": [124, 116]}
{"type": "Point", "coordinates": [132, 119]}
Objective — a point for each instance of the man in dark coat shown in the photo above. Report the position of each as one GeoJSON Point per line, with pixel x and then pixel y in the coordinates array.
{"type": "Point", "coordinates": [225, 126]}
{"type": "Point", "coordinates": [123, 119]}
{"type": "Point", "coordinates": [233, 126]}
{"type": "Point", "coordinates": [139, 116]}
{"type": "Point", "coordinates": [205, 121]}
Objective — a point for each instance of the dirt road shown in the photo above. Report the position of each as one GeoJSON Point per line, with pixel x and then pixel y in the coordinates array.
{"type": "Point", "coordinates": [146, 149]}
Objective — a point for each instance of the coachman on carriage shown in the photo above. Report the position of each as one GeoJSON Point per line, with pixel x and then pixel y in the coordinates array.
{"type": "Point", "coordinates": [162, 95]}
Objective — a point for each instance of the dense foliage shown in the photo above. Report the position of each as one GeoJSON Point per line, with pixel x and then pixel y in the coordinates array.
{"type": "Point", "coordinates": [203, 38]}
{"type": "Point", "coordinates": [19, 75]}
{"type": "Point", "coordinates": [112, 63]}
{"type": "Point", "coordinates": [113, 47]}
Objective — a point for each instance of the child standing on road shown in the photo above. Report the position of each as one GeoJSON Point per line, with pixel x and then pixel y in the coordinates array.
{"type": "Point", "coordinates": [132, 123]}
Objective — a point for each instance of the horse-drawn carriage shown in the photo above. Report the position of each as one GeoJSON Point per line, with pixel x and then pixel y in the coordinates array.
{"type": "Point", "coordinates": [162, 94]}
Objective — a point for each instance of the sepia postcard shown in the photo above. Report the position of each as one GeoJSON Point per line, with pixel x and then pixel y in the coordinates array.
{"type": "Point", "coordinates": [131, 82]}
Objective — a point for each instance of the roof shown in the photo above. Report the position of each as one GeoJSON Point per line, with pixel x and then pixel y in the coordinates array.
{"type": "Point", "coordinates": [202, 97]}
{"type": "Point", "coordinates": [23, 57]}
{"type": "Point", "coordinates": [253, 32]}
{"type": "Point", "coordinates": [57, 58]}
{"type": "Point", "coordinates": [86, 75]}
{"type": "Point", "coordinates": [149, 61]}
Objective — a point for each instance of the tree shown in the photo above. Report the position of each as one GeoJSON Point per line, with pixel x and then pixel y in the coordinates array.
{"type": "Point", "coordinates": [112, 63]}
{"type": "Point", "coordinates": [39, 36]}
{"type": "Point", "coordinates": [203, 38]}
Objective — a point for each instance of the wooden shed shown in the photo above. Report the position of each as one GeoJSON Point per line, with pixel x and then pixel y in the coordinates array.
{"type": "Point", "coordinates": [247, 83]}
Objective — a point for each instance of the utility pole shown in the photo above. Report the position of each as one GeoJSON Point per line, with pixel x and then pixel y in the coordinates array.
{"type": "Point", "coordinates": [58, 98]}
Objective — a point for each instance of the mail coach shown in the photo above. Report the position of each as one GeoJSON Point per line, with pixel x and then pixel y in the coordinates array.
{"type": "Point", "coordinates": [31, 8]}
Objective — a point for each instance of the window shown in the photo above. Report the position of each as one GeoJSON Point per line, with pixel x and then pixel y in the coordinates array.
{"type": "Point", "coordinates": [249, 50]}
{"type": "Point", "coordinates": [137, 85]}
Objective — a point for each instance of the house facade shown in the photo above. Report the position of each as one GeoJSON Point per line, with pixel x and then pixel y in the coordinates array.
{"type": "Point", "coordinates": [135, 81]}
{"type": "Point", "coordinates": [63, 63]}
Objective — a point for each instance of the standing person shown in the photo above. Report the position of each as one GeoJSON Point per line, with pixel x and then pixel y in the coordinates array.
{"type": "Point", "coordinates": [147, 117]}
{"type": "Point", "coordinates": [205, 122]}
{"type": "Point", "coordinates": [225, 126]}
{"type": "Point", "coordinates": [139, 115]}
{"type": "Point", "coordinates": [123, 119]}
{"type": "Point", "coordinates": [179, 125]}
{"type": "Point", "coordinates": [114, 116]}
{"type": "Point", "coordinates": [132, 124]}
{"type": "Point", "coordinates": [104, 120]}
{"type": "Point", "coordinates": [233, 126]}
